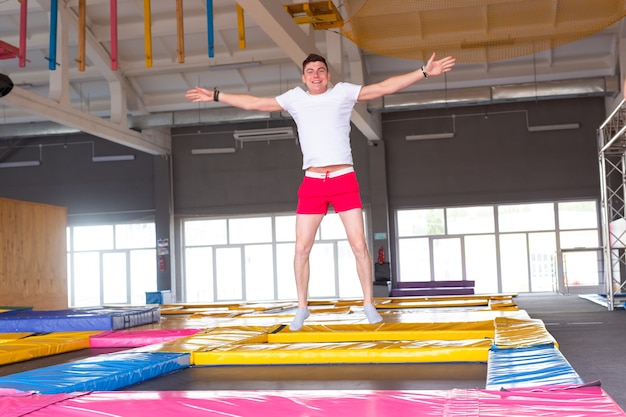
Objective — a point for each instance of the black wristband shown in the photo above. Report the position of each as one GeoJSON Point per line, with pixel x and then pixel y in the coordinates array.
{"type": "Point", "coordinates": [216, 94]}
{"type": "Point", "coordinates": [424, 72]}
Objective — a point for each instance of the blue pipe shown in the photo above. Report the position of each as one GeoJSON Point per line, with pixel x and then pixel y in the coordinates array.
{"type": "Point", "coordinates": [210, 27]}
{"type": "Point", "coordinates": [52, 58]}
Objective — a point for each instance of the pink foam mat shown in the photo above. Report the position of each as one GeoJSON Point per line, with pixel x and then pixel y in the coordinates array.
{"type": "Point", "coordinates": [137, 338]}
{"type": "Point", "coordinates": [563, 401]}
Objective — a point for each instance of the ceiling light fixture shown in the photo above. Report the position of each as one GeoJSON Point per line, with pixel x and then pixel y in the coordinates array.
{"type": "Point", "coordinates": [427, 136]}
{"type": "Point", "coordinates": [260, 135]}
{"type": "Point", "coordinates": [212, 151]}
{"type": "Point", "coordinates": [546, 128]}
{"type": "Point", "coordinates": [112, 158]}
{"type": "Point", "coordinates": [438, 135]}
{"type": "Point", "coordinates": [19, 164]}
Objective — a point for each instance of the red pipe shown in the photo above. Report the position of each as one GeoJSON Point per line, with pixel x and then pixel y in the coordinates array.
{"type": "Point", "coordinates": [114, 35]}
{"type": "Point", "coordinates": [23, 12]}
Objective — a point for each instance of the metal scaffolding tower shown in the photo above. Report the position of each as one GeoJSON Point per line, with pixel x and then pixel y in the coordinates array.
{"type": "Point", "coordinates": [612, 159]}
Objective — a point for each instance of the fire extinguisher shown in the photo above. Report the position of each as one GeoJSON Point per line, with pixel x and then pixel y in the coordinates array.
{"type": "Point", "coordinates": [161, 263]}
{"type": "Point", "coordinates": [381, 255]}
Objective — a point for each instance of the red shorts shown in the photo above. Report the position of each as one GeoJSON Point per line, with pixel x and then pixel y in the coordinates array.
{"type": "Point", "coordinates": [316, 194]}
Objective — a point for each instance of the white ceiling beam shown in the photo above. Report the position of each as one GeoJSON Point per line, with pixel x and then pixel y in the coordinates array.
{"type": "Point", "coordinates": [88, 123]}
{"type": "Point", "coordinates": [101, 59]}
{"type": "Point", "coordinates": [278, 25]}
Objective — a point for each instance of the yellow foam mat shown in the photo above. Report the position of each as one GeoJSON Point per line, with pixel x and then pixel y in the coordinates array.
{"type": "Point", "coordinates": [9, 337]}
{"type": "Point", "coordinates": [512, 333]}
{"type": "Point", "coordinates": [386, 331]}
{"type": "Point", "coordinates": [43, 345]}
{"type": "Point", "coordinates": [337, 343]}
{"type": "Point", "coordinates": [363, 352]}
{"type": "Point", "coordinates": [486, 300]}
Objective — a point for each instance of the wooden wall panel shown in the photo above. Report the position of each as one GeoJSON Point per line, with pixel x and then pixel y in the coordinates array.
{"type": "Point", "coordinates": [33, 255]}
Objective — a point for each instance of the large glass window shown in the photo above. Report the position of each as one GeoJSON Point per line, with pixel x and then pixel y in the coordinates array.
{"type": "Point", "coordinates": [526, 217]}
{"type": "Point", "coordinates": [510, 248]}
{"type": "Point", "coordinates": [251, 259]}
{"type": "Point", "coordinates": [468, 220]}
{"type": "Point", "coordinates": [111, 264]}
{"type": "Point", "coordinates": [421, 222]}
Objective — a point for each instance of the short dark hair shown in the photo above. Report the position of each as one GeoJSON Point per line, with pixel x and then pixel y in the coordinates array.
{"type": "Point", "coordinates": [313, 58]}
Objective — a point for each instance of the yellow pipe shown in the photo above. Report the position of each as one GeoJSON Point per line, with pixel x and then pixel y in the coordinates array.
{"type": "Point", "coordinates": [81, 35]}
{"type": "Point", "coordinates": [241, 26]}
{"type": "Point", "coordinates": [181, 31]}
{"type": "Point", "coordinates": [147, 24]}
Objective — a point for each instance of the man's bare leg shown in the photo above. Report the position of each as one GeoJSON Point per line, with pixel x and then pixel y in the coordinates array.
{"type": "Point", "coordinates": [306, 228]}
{"type": "Point", "coordinates": [355, 230]}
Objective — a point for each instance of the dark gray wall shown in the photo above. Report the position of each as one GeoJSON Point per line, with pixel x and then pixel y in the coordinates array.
{"type": "Point", "coordinates": [493, 158]}
{"type": "Point", "coordinates": [260, 177]}
{"type": "Point", "coordinates": [92, 192]}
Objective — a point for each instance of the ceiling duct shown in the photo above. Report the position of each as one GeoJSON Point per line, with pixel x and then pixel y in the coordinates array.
{"type": "Point", "coordinates": [261, 135]}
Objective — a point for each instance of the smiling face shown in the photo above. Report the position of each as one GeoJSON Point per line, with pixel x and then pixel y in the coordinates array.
{"type": "Point", "coordinates": [316, 77]}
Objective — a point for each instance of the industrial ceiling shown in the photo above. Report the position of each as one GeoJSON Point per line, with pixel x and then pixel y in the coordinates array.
{"type": "Point", "coordinates": [70, 75]}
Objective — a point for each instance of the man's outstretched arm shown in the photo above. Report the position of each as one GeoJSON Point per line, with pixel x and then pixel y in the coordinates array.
{"type": "Point", "coordinates": [396, 83]}
{"type": "Point", "coordinates": [242, 101]}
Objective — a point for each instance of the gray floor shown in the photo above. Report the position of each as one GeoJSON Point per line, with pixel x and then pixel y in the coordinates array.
{"type": "Point", "coordinates": [323, 377]}
{"type": "Point", "coordinates": [590, 337]}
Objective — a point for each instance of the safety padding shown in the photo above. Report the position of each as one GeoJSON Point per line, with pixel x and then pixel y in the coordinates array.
{"type": "Point", "coordinates": [211, 339]}
{"type": "Point", "coordinates": [588, 401]}
{"type": "Point", "coordinates": [529, 367]}
{"type": "Point", "coordinates": [514, 333]}
{"type": "Point", "coordinates": [136, 338]}
{"type": "Point", "coordinates": [385, 331]}
{"type": "Point", "coordinates": [36, 346]}
{"type": "Point", "coordinates": [361, 352]}
{"type": "Point", "coordinates": [99, 373]}
{"type": "Point", "coordinates": [10, 337]}
{"type": "Point", "coordinates": [73, 320]}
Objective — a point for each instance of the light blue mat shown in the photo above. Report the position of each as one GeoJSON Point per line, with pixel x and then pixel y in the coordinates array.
{"type": "Point", "coordinates": [108, 372]}
{"type": "Point", "coordinates": [529, 366]}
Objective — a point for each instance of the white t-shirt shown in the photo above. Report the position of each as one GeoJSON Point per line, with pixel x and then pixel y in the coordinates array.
{"type": "Point", "coordinates": [323, 123]}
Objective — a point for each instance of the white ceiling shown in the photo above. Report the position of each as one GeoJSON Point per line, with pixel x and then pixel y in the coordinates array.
{"type": "Point", "coordinates": [133, 104]}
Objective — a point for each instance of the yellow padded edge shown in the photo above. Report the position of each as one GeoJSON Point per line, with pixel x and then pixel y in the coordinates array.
{"type": "Point", "coordinates": [513, 333]}
{"type": "Point", "coordinates": [326, 353]}
{"type": "Point", "coordinates": [9, 337]}
{"type": "Point", "coordinates": [386, 331]}
{"type": "Point", "coordinates": [45, 345]}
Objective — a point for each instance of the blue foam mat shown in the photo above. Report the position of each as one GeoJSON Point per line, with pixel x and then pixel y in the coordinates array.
{"type": "Point", "coordinates": [47, 321]}
{"type": "Point", "coordinates": [99, 373]}
{"type": "Point", "coordinates": [529, 366]}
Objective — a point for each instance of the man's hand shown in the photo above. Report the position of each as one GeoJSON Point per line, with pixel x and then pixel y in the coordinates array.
{"type": "Point", "coordinates": [433, 67]}
{"type": "Point", "coordinates": [199, 94]}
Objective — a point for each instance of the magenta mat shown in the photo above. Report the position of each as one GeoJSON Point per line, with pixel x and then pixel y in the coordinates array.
{"type": "Point", "coordinates": [138, 338]}
{"type": "Point", "coordinates": [564, 401]}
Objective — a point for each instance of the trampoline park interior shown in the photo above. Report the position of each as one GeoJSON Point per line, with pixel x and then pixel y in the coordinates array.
{"type": "Point", "coordinates": [108, 79]}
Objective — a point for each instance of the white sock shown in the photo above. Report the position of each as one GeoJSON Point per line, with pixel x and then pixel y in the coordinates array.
{"type": "Point", "coordinates": [298, 320]}
{"type": "Point", "coordinates": [372, 315]}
